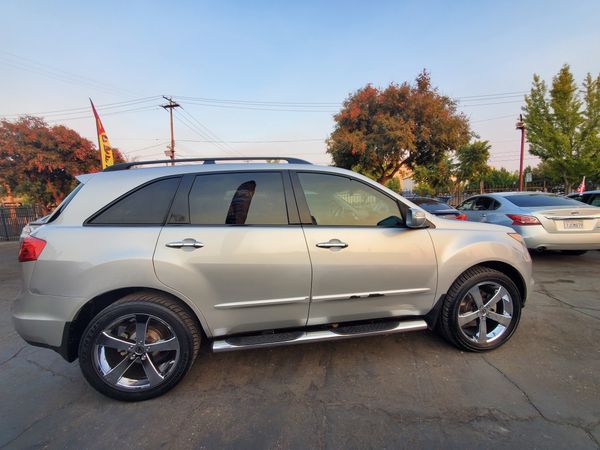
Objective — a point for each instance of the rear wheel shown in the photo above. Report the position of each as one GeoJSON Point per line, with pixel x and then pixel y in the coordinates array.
{"type": "Point", "coordinates": [139, 347]}
{"type": "Point", "coordinates": [481, 310]}
{"type": "Point", "coordinates": [573, 252]}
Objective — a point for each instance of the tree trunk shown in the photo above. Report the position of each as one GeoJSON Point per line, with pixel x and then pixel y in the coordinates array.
{"type": "Point", "coordinates": [567, 186]}
{"type": "Point", "coordinates": [9, 198]}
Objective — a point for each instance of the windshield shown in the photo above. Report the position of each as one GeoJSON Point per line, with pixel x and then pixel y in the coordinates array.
{"type": "Point", "coordinates": [534, 200]}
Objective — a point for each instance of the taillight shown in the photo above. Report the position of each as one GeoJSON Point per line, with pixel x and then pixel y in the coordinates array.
{"type": "Point", "coordinates": [461, 217]}
{"type": "Point", "coordinates": [519, 219]}
{"type": "Point", "coordinates": [31, 249]}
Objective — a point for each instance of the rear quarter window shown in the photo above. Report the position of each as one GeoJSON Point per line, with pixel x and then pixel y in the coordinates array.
{"type": "Point", "coordinates": [147, 205]}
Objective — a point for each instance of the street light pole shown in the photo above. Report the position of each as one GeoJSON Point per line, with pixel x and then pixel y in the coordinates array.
{"type": "Point", "coordinates": [521, 126]}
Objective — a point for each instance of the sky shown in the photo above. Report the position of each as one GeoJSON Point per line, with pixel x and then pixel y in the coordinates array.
{"type": "Point", "coordinates": [265, 78]}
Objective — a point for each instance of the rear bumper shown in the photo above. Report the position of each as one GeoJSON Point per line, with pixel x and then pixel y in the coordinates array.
{"type": "Point", "coordinates": [536, 237]}
{"type": "Point", "coordinates": [42, 319]}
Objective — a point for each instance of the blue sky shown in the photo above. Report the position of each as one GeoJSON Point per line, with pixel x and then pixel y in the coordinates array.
{"type": "Point", "coordinates": [54, 55]}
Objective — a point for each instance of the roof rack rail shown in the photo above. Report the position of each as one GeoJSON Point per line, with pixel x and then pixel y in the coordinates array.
{"type": "Point", "coordinates": [129, 165]}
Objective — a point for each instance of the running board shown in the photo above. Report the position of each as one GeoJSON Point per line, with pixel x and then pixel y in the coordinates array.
{"type": "Point", "coordinates": [301, 337]}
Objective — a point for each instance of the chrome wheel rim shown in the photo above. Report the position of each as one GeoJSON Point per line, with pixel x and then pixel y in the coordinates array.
{"type": "Point", "coordinates": [136, 352]}
{"type": "Point", "coordinates": [485, 312]}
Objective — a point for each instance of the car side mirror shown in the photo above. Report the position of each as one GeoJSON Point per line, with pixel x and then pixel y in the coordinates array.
{"type": "Point", "coordinates": [416, 218]}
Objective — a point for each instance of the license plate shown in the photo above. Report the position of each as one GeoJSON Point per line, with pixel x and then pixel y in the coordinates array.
{"type": "Point", "coordinates": [573, 224]}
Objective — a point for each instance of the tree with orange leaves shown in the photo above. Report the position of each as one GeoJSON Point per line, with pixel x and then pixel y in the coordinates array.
{"type": "Point", "coordinates": [40, 162]}
{"type": "Point", "coordinates": [379, 131]}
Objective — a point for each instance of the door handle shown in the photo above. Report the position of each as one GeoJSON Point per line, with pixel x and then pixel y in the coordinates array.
{"type": "Point", "coordinates": [186, 243]}
{"type": "Point", "coordinates": [332, 243]}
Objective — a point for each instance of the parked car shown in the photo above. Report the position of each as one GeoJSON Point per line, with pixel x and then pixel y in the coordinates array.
{"type": "Point", "coordinates": [141, 264]}
{"type": "Point", "coordinates": [438, 208]}
{"type": "Point", "coordinates": [589, 197]}
{"type": "Point", "coordinates": [546, 221]}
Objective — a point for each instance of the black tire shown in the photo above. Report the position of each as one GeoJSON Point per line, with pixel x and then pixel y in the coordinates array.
{"type": "Point", "coordinates": [449, 317]}
{"type": "Point", "coordinates": [573, 252]}
{"type": "Point", "coordinates": [163, 313]}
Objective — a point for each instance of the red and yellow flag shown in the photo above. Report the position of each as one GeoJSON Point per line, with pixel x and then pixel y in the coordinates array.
{"type": "Point", "coordinates": [106, 153]}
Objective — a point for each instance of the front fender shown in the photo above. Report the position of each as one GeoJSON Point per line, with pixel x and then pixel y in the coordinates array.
{"type": "Point", "coordinates": [459, 250]}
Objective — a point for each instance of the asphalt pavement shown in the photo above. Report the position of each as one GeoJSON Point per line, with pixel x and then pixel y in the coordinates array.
{"type": "Point", "coordinates": [541, 390]}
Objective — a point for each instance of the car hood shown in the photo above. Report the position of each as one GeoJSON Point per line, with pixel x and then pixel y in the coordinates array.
{"type": "Point", "coordinates": [466, 225]}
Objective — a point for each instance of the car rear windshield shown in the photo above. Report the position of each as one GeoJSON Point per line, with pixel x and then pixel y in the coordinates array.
{"type": "Point", "coordinates": [431, 205]}
{"type": "Point", "coordinates": [541, 200]}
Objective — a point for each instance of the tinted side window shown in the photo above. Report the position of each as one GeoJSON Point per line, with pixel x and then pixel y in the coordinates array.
{"type": "Point", "coordinates": [467, 205]}
{"type": "Point", "coordinates": [337, 200]}
{"type": "Point", "coordinates": [595, 200]}
{"type": "Point", "coordinates": [148, 205]}
{"type": "Point", "coordinates": [484, 203]}
{"type": "Point", "coordinates": [238, 199]}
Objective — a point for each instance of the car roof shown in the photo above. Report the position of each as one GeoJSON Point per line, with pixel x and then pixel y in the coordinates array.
{"type": "Point", "coordinates": [509, 194]}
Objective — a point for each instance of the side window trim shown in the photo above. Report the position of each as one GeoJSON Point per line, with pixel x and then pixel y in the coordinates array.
{"type": "Point", "coordinates": [181, 203]}
{"type": "Point", "coordinates": [88, 221]}
{"type": "Point", "coordinates": [180, 207]}
{"type": "Point", "coordinates": [303, 209]}
{"type": "Point", "coordinates": [304, 212]}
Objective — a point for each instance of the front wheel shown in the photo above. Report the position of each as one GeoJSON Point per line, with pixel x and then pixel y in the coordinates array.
{"type": "Point", "coordinates": [481, 310]}
{"type": "Point", "coordinates": [139, 347]}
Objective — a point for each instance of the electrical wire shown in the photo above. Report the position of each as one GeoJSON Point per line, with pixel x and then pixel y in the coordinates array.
{"type": "Point", "coordinates": [90, 116]}
{"type": "Point", "coordinates": [73, 111]}
{"type": "Point", "coordinates": [29, 65]}
{"type": "Point", "coordinates": [209, 132]}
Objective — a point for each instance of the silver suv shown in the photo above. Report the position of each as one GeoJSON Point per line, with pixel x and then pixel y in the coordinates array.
{"type": "Point", "coordinates": [136, 267]}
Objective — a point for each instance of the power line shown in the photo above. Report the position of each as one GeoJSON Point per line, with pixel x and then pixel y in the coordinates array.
{"type": "Point", "coordinates": [258, 107]}
{"type": "Point", "coordinates": [490, 104]}
{"type": "Point", "coordinates": [160, 144]}
{"type": "Point", "coordinates": [86, 108]}
{"type": "Point", "coordinates": [210, 133]}
{"type": "Point", "coordinates": [143, 108]}
{"type": "Point", "coordinates": [508, 94]}
{"type": "Point", "coordinates": [199, 132]}
{"type": "Point", "coordinates": [31, 65]}
{"type": "Point", "coordinates": [58, 115]}
{"type": "Point", "coordinates": [493, 118]}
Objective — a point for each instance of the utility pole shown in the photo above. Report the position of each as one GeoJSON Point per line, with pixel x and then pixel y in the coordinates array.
{"type": "Point", "coordinates": [171, 152]}
{"type": "Point", "coordinates": [521, 126]}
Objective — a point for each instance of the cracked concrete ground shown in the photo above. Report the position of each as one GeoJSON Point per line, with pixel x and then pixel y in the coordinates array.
{"type": "Point", "coordinates": [541, 390]}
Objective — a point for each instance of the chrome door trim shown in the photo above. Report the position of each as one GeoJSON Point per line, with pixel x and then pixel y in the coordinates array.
{"type": "Point", "coordinates": [253, 303]}
{"type": "Point", "coordinates": [366, 295]}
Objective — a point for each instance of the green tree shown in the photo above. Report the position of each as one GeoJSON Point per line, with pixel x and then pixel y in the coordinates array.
{"type": "Point", "coordinates": [563, 126]}
{"type": "Point", "coordinates": [40, 162]}
{"type": "Point", "coordinates": [435, 178]}
{"type": "Point", "coordinates": [394, 184]}
{"type": "Point", "coordinates": [472, 162]}
{"type": "Point", "coordinates": [378, 132]}
{"type": "Point", "coordinates": [501, 178]}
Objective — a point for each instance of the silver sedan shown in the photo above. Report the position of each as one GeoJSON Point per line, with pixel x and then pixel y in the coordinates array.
{"type": "Point", "coordinates": [546, 221]}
